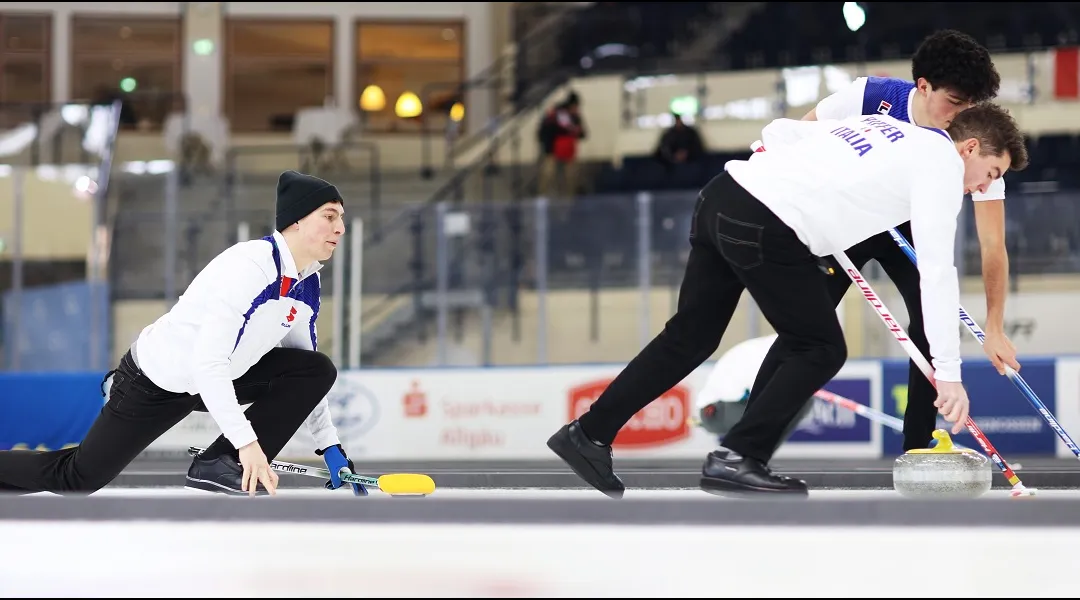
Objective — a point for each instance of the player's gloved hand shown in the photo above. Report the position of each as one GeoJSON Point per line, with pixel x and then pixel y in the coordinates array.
{"type": "Point", "coordinates": [335, 461]}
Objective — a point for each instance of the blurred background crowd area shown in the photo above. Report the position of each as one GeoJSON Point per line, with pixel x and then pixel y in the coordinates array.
{"type": "Point", "coordinates": [519, 177]}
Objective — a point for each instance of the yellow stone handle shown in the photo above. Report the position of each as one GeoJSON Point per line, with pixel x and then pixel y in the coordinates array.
{"type": "Point", "coordinates": [944, 442]}
{"type": "Point", "coordinates": [944, 445]}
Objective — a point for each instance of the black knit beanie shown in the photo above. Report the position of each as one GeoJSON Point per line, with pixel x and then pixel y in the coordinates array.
{"type": "Point", "coordinates": [299, 195]}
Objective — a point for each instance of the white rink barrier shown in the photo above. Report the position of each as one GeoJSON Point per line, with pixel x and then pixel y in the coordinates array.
{"type": "Point", "coordinates": [508, 413]}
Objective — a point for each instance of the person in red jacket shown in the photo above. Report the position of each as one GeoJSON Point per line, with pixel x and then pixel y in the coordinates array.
{"type": "Point", "coordinates": [561, 129]}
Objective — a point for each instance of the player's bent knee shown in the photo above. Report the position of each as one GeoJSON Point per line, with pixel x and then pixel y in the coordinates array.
{"type": "Point", "coordinates": [324, 369]}
{"type": "Point", "coordinates": [833, 355]}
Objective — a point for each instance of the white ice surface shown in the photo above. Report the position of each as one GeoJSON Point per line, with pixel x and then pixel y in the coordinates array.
{"type": "Point", "coordinates": [274, 559]}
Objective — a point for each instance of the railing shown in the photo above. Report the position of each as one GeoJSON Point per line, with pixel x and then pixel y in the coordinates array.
{"type": "Point", "coordinates": [428, 255]}
{"type": "Point", "coordinates": [225, 204]}
{"type": "Point", "coordinates": [604, 271]}
{"type": "Point", "coordinates": [498, 279]}
{"type": "Point", "coordinates": [520, 79]}
{"type": "Point", "coordinates": [405, 252]}
{"type": "Point", "coordinates": [455, 137]}
{"type": "Point", "coordinates": [307, 161]}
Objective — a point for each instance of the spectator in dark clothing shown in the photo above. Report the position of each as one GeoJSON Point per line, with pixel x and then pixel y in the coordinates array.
{"type": "Point", "coordinates": [561, 128]}
{"type": "Point", "coordinates": [679, 144]}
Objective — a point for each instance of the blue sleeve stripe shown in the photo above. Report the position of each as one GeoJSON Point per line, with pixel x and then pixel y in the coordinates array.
{"type": "Point", "coordinates": [265, 296]}
{"type": "Point", "coordinates": [269, 293]}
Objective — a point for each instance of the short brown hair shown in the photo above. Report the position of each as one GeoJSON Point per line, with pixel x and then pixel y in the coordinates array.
{"type": "Point", "coordinates": [996, 131]}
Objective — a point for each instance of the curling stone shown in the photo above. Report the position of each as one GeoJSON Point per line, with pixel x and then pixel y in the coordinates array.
{"type": "Point", "coordinates": [718, 417]}
{"type": "Point", "coordinates": [943, 471]}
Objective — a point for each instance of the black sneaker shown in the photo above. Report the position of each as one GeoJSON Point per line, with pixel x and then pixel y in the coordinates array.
{"type": "Point", "coordinates": [588, 460]}
{"type": "Point", "coordinates": [728, 473]}
{"type": "Point", "coordinates": [221, 475]}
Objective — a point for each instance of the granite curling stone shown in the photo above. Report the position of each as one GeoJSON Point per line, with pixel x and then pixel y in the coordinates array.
{"type": "Point", "coordinates": [943, 471]}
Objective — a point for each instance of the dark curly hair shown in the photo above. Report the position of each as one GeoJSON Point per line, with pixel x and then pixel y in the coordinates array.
{"type": "Point", "coordinates": [955, 61]}
{"type": "Point", "coordinates": [996, 130]}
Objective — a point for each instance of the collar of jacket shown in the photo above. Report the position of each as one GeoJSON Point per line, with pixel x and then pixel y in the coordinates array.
{"type": "Point", "coordinates": [287, 264]}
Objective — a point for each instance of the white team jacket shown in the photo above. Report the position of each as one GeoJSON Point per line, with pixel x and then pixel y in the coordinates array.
{"type": "Point", "coordinates": [837, 183]}
{"type": "Point", "coordinates": [248, 300]}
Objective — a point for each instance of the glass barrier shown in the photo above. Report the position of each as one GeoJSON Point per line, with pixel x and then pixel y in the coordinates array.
{"type": "Point", "coordinates": [538, 281]}
{"type": "Point", "coordinates": [54, 237]}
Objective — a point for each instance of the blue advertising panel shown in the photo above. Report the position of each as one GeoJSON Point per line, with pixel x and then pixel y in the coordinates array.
{"type": "Point", "coordinates": [47, 411]}
{"type": "Point", "coordinates": [1000, 410]}
{"type": "Point", "coordinates": [827, 422]}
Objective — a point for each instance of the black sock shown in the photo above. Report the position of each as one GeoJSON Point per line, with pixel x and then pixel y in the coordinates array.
{"type": "Point", "coordinates": [220, 447]}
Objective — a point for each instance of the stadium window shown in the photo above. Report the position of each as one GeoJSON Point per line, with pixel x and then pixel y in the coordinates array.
{"type": "Point", "coordinates": [274, 69]}
{"type": "Point", "coordinates": [133, 58]}
{"type": "Point", "coordinates": [25, 54]}
{"type": "Point", "coordinates": [422, 58]}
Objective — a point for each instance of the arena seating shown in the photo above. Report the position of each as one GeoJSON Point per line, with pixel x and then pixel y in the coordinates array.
{"type": "Point", "coordinates": [645, 30]}
{"type": "Point", "coordinates": [804, 33]}
{"type": "Point", "coordinates": [1054, 158]}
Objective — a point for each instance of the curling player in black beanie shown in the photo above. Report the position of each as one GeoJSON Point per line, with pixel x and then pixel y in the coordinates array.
{"type": "Point", "coordinates": [243, 333]}
{"type": "Point", "coordinates": [299, 195]}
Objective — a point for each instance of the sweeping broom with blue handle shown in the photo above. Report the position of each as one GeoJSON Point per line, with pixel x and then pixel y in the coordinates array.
{"type": "Point", "coordinates": [1011, 373]}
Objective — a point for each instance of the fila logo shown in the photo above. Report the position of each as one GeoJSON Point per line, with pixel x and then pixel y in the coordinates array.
{"type": "Point", "coordinates": [884, 107]}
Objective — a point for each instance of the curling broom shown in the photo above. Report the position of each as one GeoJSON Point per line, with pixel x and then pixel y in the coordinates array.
{"type": "Point", "coordinates": [1018, 488]}
{"type": "Point", "coordinates": [395, 484]}
{"type": "Point", "coordinates": [1013, 376]}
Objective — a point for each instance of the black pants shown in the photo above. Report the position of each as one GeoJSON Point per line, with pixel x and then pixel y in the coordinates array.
{"type": "Point", "coordinates": [285, 386]}
{"type": "Point", "coordinates": [736, 243]}
{"type": "Point", "coordinates": [920, 417]}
